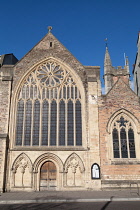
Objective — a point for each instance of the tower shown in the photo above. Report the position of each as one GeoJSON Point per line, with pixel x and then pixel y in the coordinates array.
{"type": "Point", "coordinates": [112, 74]}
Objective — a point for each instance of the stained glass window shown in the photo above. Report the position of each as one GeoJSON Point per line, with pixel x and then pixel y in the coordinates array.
{"type": "Point", "coordinates": [131, 143]}
{"type": "Point", "coordinates": [49, 109]}
{"type": "Point", "coordinates": [78, 123]}
{"type": "Point", "coordinates": [36, 123]}
{"type": "Point", "coordinates": [72, 89]}
{"type": "Point", "coordinates": [64, 92]}
{"type": "Point", "coordinates": [70, 123]}
{"type": "Point", "coordinates": [27, 92]}
{"type": "Point", "coordinates": [123, 139]}
{"type": "Point", "coordinates": [68, 92]}
{"type": "Point", "coordinates": [20, 116]}
{"type": "Point", "coordinates": [28, 123]}
{"type": "Point", "coordinates": [116, 143]}
{"type": "Point", "coordinates": [124, 150]}
{"type": "Point", "coordinates": [45, 114]}
{"type": "Point", "coordinates": [53, 123]}
{"type": "Point", "coordinates": [62, 123]}
{"type": "Point", "coordinates": [31, 92]}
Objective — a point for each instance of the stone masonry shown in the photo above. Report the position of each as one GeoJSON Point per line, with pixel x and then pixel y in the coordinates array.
{"type": "Point", "coordinates": [90, 164]}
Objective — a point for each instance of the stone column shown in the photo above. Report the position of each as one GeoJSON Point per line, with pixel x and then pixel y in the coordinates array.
{"type": "Point", "coordinates": [3, 161]}
{"type": "Point", "coordinates": [93, 154]}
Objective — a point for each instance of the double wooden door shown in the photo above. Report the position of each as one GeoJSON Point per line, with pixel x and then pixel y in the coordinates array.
{"type": "Point", "coordinates": [48, 176]}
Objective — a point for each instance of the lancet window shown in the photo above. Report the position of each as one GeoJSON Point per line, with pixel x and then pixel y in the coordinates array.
{"type": "Point", "coordinates": [123, 138]}
{"type": "Point", "coordinates": [49, 108]}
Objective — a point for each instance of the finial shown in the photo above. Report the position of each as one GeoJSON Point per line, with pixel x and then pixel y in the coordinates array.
{"type": "Point", "coordinates": [106, 43]}
{"type": "Point", "coordinates": [126, 60]}
{"type": "Point", "coordinates": [49, 28]}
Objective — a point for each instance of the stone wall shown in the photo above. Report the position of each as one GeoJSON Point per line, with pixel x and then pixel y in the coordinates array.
{"type": "Point", "coordinates": [3, 161]}
{"type": "Point", "coordinates": [5, 102]}
{"type": "Point", "coordinates": [43, 51]}
{"type": "Point", "coordinates": [77, 162]}
{"type": "Point", "coordinates": [120, 99]}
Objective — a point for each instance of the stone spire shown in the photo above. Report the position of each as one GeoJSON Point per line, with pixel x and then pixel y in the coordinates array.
{"type": "Point", "coordinates": [107, 62]}
{"type": "Point", "coordinates": [127, 64]}
{"type": "Point", "coordinates": [107, 71]}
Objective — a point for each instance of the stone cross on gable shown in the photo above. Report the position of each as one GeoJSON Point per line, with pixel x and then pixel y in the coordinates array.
{"type": "Point", "coordinates": [49, 28]}
{"type": "Point", "coordinates": [122, 122]}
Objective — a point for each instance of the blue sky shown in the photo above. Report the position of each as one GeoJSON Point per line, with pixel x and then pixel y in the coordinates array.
{"type": "Point", "coordinates": [80, 25]}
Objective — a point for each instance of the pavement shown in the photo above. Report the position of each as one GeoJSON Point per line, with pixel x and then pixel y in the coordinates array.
{"type": "Point", "coordinates": [68, 196]}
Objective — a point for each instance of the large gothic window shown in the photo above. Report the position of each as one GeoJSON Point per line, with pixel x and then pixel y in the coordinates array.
{"type": "Point", "coordinates": [49, 108]}
{"type": "Point", "coordinates": [123, 139]}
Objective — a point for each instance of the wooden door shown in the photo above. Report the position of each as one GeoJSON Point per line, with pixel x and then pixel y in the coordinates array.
{"type": "Point", "coordinates": [48, 176]}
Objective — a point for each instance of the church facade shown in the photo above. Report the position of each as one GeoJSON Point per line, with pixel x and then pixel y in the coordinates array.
{"type": "Point", "coordinates": [57, 130]}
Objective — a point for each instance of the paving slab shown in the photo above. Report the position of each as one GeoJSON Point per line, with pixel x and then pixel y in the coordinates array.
{"type": "Point", "coordinates": [68, 196]}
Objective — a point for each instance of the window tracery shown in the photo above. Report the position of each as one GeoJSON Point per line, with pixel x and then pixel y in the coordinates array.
{"type": "Point", "coordinates": [123, 138]}
{"type": "Point", "coordinates": [49, 108]}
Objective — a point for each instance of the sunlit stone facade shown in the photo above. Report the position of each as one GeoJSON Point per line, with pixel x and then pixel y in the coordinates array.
{"type": "Point", "coordinates": [57, 130]}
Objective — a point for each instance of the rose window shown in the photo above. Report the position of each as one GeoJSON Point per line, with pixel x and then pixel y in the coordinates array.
{"type": "Point", "coordinates": [50, 74]}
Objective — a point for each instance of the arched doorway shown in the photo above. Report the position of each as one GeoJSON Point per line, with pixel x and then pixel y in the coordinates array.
{"type": "Point", "coordinates": [48, 174]}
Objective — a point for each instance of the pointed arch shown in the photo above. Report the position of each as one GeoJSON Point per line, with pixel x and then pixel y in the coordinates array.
{"type": "Point", "coordinates": [22, 172]}
{"type": "Point", "coordinates": [74, 161]}
{"type": "Point", "coordinates": [122, 127]}
{"type": "Point", "coordinates": [125, 113]}
{"type": "Point", "coordinates": [47, 157]}
{"type": "Point", "coordinates": [72, 72]}
{"type": "Point", "coordinates": [18, 162]}
{"type": "Point", "coordinates": [46, 81]}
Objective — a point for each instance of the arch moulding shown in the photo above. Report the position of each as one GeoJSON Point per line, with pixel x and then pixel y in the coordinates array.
{"type": "Point", "coordinates": [73, 73]}
{"type": "Point", "coordinates": [18, 162]}
{"type": "Point", "coordinates": [126, 113]}
{"type": "Point", "coordinates": [74, 161]}
{"type": "Point", "coordinates": [47, 157]}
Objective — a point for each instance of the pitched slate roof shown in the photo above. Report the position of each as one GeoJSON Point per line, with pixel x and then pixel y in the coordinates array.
{"type": "Point", "coordinates": [8, 59]}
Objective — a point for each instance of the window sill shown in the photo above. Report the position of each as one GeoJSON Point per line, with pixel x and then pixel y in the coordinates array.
{"type": "Point", "coordinates": [51, 148]}
{"type": "Point", "coordinates": [125, 162]}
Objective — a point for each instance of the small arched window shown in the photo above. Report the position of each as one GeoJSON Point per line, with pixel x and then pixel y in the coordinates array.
{"type": "Point", "coordinates": [123, 139]}
{"type": "Point", "coordinates": [95, 171]}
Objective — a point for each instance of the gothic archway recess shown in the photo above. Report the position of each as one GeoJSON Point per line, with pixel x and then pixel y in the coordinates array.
{"type": "Point", "coordinates": [74, 171]}
{"type": "Point", "coordinates": [74, 161]}
{"type": "Point", "coordinates": [22, 171]}
{"type": "Point", "coordinates": [49, 110]}
{"type": "Point", "coordinates": [47, 157]}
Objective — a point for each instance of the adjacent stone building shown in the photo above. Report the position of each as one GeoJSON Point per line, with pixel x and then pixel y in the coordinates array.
{"type": "Point", "coordinates": [57, 130]}
{"type": "Point", "coordinates": [136, 68]}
